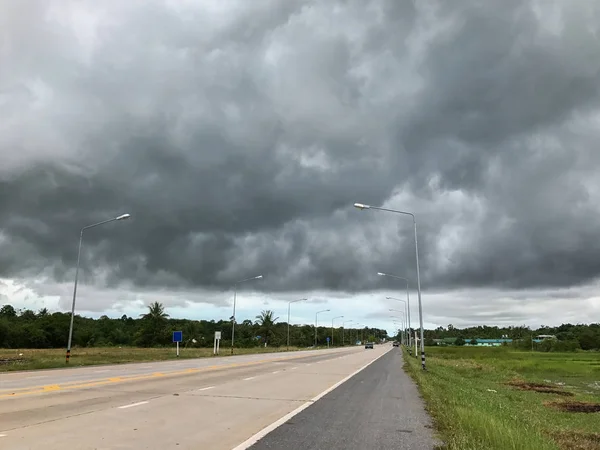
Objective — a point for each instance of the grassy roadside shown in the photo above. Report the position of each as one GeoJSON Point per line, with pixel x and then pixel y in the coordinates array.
{"type": "Point", "coordinates": [32, 359]}
{"type": "Point", "coordinates": [495, 398]}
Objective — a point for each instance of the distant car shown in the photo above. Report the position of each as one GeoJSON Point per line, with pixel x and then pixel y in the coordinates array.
{"type": "Point", "coordinates": [369, 345]}
{"type": "Point", "coordinates": [396, 344]}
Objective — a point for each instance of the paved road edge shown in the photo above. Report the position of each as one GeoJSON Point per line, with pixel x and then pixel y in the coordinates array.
{"type": "Point", "coordinates": [262, 433]}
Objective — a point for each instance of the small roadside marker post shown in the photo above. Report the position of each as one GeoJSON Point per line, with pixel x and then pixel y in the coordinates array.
{"type": "Point", "coordinates": [416, 340]}
{"type": "Point", "coordinates": [217, 343]}
{"type": "Point", "coordinates": [327, 341]}
{"type": "Point", "coordinates": [177, 338]}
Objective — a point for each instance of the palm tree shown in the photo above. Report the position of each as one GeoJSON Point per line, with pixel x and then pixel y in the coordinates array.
{"type": "Point", "coordinates": [153, 329]}
{"type": "Point", "coordinates": [266, 324]}
{"type": "Point", "coordinates": [156, 313]}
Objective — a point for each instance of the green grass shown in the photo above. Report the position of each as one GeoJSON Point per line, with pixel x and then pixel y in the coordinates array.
{"type": "Point", "coordinates": [474, 408]}
{"type": "Point", "coordinates": [31, 359]}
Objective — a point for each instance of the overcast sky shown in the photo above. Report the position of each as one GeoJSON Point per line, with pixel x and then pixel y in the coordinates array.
{"type": "Point", "coordinates": [238, 134]}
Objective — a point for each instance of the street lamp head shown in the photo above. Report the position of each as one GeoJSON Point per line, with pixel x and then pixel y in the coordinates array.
{"type": "Point", "coordinates": [258, 277]}
{"type": "Point", "coordinates": [381, 274]}
{"type": "Point", "coordinates": [361, 206]}
{"type": "Point", "coordinates": [123, 217]}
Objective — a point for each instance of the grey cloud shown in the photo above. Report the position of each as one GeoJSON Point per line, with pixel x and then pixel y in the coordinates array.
{"type": "Point", "coordinates": [239, 146]}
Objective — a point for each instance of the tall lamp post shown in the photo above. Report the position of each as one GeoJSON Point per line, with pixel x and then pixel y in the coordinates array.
{"type": "Point", "coordinates": [406, 313]}
{"type": "Point", "coordinates": [343, 331]}
{"type": "Point", "coordinates": [381, 274]}
{"type": "Point", "coordinates": [316, 328]}
{"type": "Point", "coordinates": [338, 317]}
{"type": "Point", "coordinates": [402, 318]}
{"type": "Point", "coordinates": [400, 326]}
{"type": "Point", "coordinates": [362, 206]}
{"type": "Point", "coordinates": [121, 217]}
{"type": "Point", "coordinates": [258, 277]}
{"type": "Point", "coordinates": [358, 325]}
{"type": "Point", "coordinates": [288, 322]}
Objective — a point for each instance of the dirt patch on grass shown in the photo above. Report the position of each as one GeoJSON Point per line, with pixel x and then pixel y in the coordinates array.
{"type": "Point", "coordinates": [574, 440]}
{"type": "Point", "coordinates": [582, 407]}
{"type": "Point", "coordinates": [7, 361]}
{"type": "Point", "coordinates": [539, 387]}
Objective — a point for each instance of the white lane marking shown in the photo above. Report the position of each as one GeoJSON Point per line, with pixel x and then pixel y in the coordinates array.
{"type": "Point", "coordinates": [308, 364]}
{"type": "Point", "coordinates": [206, 388]}
{"type": "Point", "coordinates": [249, 378]}
{"type": "Point", "coordinates": [38, 377]}
{"type": "Point", "coordinates": [101, 371]}
{"type": "Point", "coordinates": [132, 405]}
{"type": "Point", "coordinates": [293, 368]}
{"type": "Point", "coordinates": [2, 435]}
{"type": "Point", "coordinates": [262, 433]}
{"type": "Point", "coordinates": [277, 371]}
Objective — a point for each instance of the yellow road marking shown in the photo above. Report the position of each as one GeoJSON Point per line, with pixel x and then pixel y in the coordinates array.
{"type": "Point", "coordinates": [52, 387]}
{"type": "Point", "coordinates": [101, 382]}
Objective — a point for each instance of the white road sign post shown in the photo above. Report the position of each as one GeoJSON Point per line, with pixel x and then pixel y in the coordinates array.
{"type": "Point", "coordinates": [217, 343]}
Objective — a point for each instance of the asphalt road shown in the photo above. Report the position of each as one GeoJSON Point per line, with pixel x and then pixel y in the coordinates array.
{"type": "Point", "coordinates": [212, 403]}
{"type": "Point", "coordinates": [379, 408]}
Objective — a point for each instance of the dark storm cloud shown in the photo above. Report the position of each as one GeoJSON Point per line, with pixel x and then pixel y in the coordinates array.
{"type": "Point", "coordinates": [239, 138]}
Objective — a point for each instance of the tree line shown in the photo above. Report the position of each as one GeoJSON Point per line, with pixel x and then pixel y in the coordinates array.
{"type": "Point", "coordinates": [569, 337]}
{"type": "Point", "coordinates": [41, 329]}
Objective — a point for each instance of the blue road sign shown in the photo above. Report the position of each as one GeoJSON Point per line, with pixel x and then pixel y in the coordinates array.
{"type": "Point", "coordinates": [327, 338]}
{"type": "Point", "coordinates": [177, 336]}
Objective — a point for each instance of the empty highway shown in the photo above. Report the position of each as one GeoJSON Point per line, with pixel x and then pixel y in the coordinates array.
{"type": "Point", "coordinates": [212, 403]}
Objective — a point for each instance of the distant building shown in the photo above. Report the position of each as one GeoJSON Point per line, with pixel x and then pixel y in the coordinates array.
{"type": "Point", "coordinates": [489, 342]}
{"type": "Point", "coordinates": [493, 342]}
{"type": "Point", "coordinates": [480, 342]}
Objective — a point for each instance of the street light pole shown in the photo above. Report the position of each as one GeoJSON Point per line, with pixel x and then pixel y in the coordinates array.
{"type": "Point", "coordinates": [358, 325]}
{"type": "Point", "coordinates": [288, 322]}
{"type": "Point", "coordinates": [362, 207]}
{"type": "Point", "coordinates": [401, 326]}
{"type": "Point", "coordinates": [258, 277]}
{"type": "Point", "coordinates": [381, 274]}
{"type": "Point", "coordinates": [343, 331]}
{"type": "Point", "coordinates": [402, 318]}
{"type": "Point", "coordinates": [406, 312]}
{"type": "Point", "coordinates": [338, 317]}
{"type": "Point", "coordinates": [316, 328]}
{"type": "Point", "coordinates": [70, 340]}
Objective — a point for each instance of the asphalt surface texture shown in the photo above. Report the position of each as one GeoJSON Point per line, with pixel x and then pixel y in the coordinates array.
{"type": "Point", "coordinates": [210, 403]}
{"type": "Point", "coordinates": [378, 408]}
